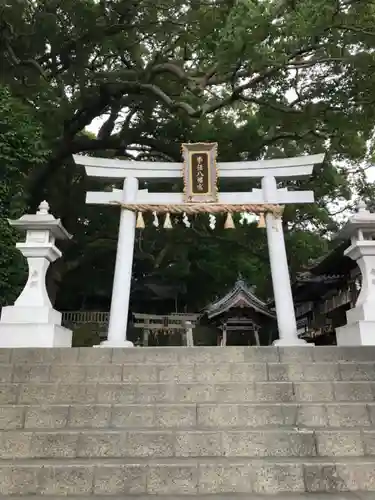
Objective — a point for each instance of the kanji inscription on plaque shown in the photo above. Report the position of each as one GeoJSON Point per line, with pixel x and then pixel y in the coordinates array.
{"type": "Point", "coordinates": [200, 174]}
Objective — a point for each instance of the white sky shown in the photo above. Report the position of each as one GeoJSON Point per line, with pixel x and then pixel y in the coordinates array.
{"type": "Point", "coordinates": [96, 124]}
{"type": "Point", "coordinates": [371, 174]}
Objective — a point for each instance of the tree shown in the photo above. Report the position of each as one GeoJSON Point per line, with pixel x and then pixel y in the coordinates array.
{"type": "Point", "coordinates": [196, 263]}
{"type": "Point", "coordinates": [77, 59]}
{"type": "Point", "coordinates": [21, 151]}
{"type": "Point", "coordinates": [265, 79]}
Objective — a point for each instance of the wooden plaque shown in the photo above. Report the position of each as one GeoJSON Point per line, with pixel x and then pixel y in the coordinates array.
{"type": "Point", "coordinates": [200, 173]}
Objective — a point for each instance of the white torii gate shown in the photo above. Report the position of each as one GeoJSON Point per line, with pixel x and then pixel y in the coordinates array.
{"type": "Point", "coordinates": [267, 170]}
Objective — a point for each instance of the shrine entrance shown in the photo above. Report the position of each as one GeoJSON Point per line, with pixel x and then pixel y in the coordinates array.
{"type": "Point", "coordinates": [200, 172]}
{"type": "Point", "coordinates": [166, 330]}
{"type": "Point", "coordinates": [242, 317]}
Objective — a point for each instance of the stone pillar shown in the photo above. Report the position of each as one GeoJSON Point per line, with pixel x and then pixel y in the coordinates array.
{"type": "Point", "coordinates": [286, 319]}
{"type": "Point", "coordinates": [32, 321]}
{"type": "Point", "coordinates": [224, 339]}
{"type": "Point", "coordinates": [118, 318]}
{"type": "Point", "coordinates": [189, 334]}
{"type": "Point", "coordinates": [360, 327]}
{"type": "Point", "coordinates": [146, 334]}
{"type": "Point", "coordinates": [256, 335]}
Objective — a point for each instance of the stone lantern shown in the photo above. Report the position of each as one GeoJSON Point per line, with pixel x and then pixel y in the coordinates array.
{"type": "Point", "coordinates": [360, 327]}
{"type": "Point", "coordinates": [32, 321]}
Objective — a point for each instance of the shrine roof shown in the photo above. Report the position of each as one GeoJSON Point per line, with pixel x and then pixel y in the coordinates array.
{"type": "Point", "coordinates": [306, 288]}
{"type": "Point", "coordinates": [333, 263]}
{"type": "Point", "coordinates": [240, 296]}
{"type": "Point", "coordinates": [331, 271]}
{"type": "Point", "coordinates": [307, 277]}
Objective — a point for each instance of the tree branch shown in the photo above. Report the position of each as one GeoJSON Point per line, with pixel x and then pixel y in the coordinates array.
{"type": "Point", "coordinates": [170, 68]}
{"type": "Point", "coordinates": [273, 105]}
{"type": "Point", "coordinates": [107, 128]}
{"type": "Point", "coordinates": [172, 104]}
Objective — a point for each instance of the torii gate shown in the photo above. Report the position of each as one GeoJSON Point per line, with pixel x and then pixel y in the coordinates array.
{"type": "Point", "coordinates": [263, 201]}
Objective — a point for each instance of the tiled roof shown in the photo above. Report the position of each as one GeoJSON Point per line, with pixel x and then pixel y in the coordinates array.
{"type": "Point", "coordinates": [307, 277]}
{"type": "Point", "coordinates": [239, 296]}
{"type": "Point", "coordinates": [333, 262]}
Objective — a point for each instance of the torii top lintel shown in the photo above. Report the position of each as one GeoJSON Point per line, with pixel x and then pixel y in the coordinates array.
{"type": "Point", "coordinates": [105, 168]}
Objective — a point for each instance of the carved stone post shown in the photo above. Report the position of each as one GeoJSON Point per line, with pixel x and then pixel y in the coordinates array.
{"type": "Point", "coordinates": [189, 334]}
{"type": "Point", "coordinates": [360, 327]}
{"type": "Point", "coordinates": [146, 333]}
{"type": "Point", "coordinates": [32, 321]}
{"type": "Point", "coordinates": [256, 335]}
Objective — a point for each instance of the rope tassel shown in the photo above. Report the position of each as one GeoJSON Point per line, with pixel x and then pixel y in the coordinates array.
{"type": "Point", "coordinates": [167, 221]}
{"type": "Point", "coordinates": [185, 220]}
{"type": "Point", "coordinates": [261, 221]}
{"type": "Point", "coordinates": [212, 221]}
{"type": "Point", "coordinates": [140, 221]}
{"type": "Point", "coordinates": [229, 223]}
{"type": "Point", "coordinates": [156, 220]}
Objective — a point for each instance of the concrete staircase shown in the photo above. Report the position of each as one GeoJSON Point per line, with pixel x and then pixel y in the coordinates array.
{"type": "Point", "coordinates": [183, 422]}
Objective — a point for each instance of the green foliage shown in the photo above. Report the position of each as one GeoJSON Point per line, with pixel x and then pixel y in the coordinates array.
{"type": "Point", "coordinates": [85, 336]}
{"type": "Point", "coordinates": [264, 79]}
{"type": "Point", "coordinates": [21, 150]}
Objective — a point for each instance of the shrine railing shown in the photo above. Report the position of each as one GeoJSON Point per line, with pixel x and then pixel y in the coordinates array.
{"type": "Point", "coordinates": [304, 308]}
{"type": "Point", "coordinates": [346, 296]}
{"type": "Point", "coordinates": [83, 317]}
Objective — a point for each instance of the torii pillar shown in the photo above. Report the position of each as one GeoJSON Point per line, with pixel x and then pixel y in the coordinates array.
{"type": "Point", "coordinates": [118, 317]}
{"type": "Point", "coordinates": [282, 290]}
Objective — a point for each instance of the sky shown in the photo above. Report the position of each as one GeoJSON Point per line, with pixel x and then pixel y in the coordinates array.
{"type": "Point", "coordinates": [371, 174]}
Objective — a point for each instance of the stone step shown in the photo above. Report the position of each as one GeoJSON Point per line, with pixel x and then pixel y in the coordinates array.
{"type": "Point", "coordinates": [188, 373]}
{"type": "Point", "coordinates": [188, 422]}
{"type": "Point", "coordinates": [189, 355]}
{"type": "Point", "coordinates": [226, 392]}
{"type": "Point", "coordinates": [185, 416]}
{"type": "Point", "coordinates": [186, 443]}
{"type": "Point", "coordinates": [233, 496]}
{"type": "Point", "coordinates": [111, 477]}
